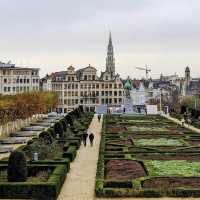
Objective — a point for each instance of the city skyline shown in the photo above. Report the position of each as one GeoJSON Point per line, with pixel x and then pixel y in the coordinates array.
{"type": "Point", "coordinates": [53, 36]}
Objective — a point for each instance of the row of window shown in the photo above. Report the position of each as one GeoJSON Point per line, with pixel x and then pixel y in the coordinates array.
{"type": "Point", "coordinates": [111, 101]}
{"type": "Point", "coordinates": [70, 102]}
{"type": "Point", "coordinates": [19, 89]}
{"type": "Point", "coordinates": [93, 93]}
{"type": "Point", "coordinates": [88, 86]}
{"type": "Point", "coordinates": [89, 77]}
{"type": "Point", "coordinates": [71, 93]}
{"type": "Point", "coordinates": [71, 86]}
{"type": "Point", "coordinates": [20, 72]}
{"type": "Point", "coordinates": [9, 81]}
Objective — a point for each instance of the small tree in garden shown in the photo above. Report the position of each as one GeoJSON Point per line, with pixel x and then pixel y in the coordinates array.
{"type": "Point", "coordinates": [81, 108]}
{"type": "Point", "coordinates": [64, 124]}
{"type": "Point", "coordinates": [46, 137]}
{"type": "Point", "coordinates": [51, 131]}
{"type": "Point", "coordinates": [69, 119]}
{"type": "Point", "coordinates": [17, 167]}
{"type": "Point", "coordinates": [58, 127]}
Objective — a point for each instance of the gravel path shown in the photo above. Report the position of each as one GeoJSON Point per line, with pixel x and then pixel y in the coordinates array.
{"type": "Point", "coordinates": [80, 182]}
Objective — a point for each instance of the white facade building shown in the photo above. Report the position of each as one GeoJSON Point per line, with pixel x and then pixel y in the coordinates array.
{"type": "Point", "coordinates": [15, 80]}
{"type": "Point", "coordinates": [142, 92]}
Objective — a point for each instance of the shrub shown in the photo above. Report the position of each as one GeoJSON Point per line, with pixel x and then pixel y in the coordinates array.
{"type": "Point", "coordinates": [81, 108]}
{"type": "Point", "coordinates": [46, 137]}
{"type": "Point", "coordinates": [17, 167]}
{"type": "Point", "coordinates": [51, 132]}
{"type": "Point", "coordinates": [64, 124]}
{"type": "Point", "coordinates": [58, 127]}
{"type": "Point", "coordinates": [71, 153]}
{"type": "Point", "coordinates": [69, 119]}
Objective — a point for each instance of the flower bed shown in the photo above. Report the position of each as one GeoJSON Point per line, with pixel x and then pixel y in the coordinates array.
{"type": "Point", "coordinates": [151, 157]}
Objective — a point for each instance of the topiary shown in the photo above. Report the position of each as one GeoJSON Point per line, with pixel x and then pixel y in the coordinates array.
{"type": "Point", "coordinates": [17, 167]}
{"type": "Point", "coordinates": [64, 124]}
{"type": "Point", "coordinates": [81, 108]}
{"type": "Point", "coordinates": [51, 131]}
{"type": "Point", "coordinates": [58, 127]}
{"type": "Point", "coordinates": [69, 119]}
{"type": "Point", "coordinates": [46, 137]}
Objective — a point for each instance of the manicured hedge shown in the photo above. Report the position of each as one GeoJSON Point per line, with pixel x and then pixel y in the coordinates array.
{"type": "Point", "coordinates": [49, 190]}
{"type": "Point", "coordinates": [70, 153]}
{"type": "Point", "coordinates": [45, 190]}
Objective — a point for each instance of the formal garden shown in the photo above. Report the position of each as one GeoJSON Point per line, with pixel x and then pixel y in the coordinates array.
{"type": "Point", "coordinates": [147, 156]}
{"type": "Point", "coordinates": [38, 168]}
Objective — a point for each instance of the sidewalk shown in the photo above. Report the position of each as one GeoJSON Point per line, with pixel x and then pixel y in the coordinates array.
{"type": "Point", "coordinates": [192, 128]}
{"type": "Point", "coordinates": [80, 182]}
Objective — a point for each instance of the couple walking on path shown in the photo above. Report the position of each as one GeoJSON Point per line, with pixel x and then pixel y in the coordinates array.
{"type": "Point", "coordinates": [91, 135]}
{"type": "Point", "coordinates": [85, 136]}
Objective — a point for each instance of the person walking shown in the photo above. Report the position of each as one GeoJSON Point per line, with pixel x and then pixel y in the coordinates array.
{"type": "Point", "coordinates": [99, 117]}
{"type": "Point", "coordinates": [91, 138]}
{"type": "Point", "coordinates": [182, 122]}
{"type": "Point", "coordinates": [84, 138]}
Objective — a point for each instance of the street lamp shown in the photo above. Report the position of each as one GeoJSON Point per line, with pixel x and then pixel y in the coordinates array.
{"type": "Point", "coordinates": [160, 99]}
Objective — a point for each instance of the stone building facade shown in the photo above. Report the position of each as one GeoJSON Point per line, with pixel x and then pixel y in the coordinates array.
{"type": "Point", "coordinates": [15, 80]}
{"type": "Point", "coordinates": [85, 87]}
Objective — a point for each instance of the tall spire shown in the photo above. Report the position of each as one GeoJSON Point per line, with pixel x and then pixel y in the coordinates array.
{"type": "Point", "coordinates": [110, 60]}
{"type": "Point", "coordinates": [110, 40]}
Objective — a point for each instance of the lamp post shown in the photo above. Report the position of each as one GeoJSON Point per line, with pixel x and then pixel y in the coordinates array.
{"type": "Point", "coordinates": [160, 99]}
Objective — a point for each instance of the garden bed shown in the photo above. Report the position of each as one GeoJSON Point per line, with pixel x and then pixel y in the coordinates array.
{"type": "Point", "coordinates": [172, 182]}
{"type": "Point", "coordinates": [124, 170]}
{"type": "Point", "coordinates": [149, 156]}
{"type": "Point", "coordinates": [168, 157]}
{"type": "Point", "coordinates": [36, 187]}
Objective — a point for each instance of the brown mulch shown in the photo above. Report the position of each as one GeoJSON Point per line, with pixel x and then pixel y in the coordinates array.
{"type": "Point", "coordinates": [116, 129]}
{"type": "Point", "coordinates": [172, 182]}
{"type": "Point", "coordinates": [124, 170]}
{"type": "Point", "coordinates": [194, 142]}
{"type": "Point", "coordinates": [166, 157]}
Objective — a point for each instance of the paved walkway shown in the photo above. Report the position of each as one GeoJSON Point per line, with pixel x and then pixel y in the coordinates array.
{"type": "Point", "coordinates": [80, 182]}
{"type": "Point", "coordinates": [192, 128]}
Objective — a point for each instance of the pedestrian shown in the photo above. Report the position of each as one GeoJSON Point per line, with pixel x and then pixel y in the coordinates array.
{"type": "Point", "coordinates": [145, 109]}
{"type": "Point", "coordinates": [99, 117]}
{"type": "Point", "coordinates": [91, 137]}
{"type": "Point", "coordinates": [182, 122]}
{"type": "Point", "coordinates": [84, 138]}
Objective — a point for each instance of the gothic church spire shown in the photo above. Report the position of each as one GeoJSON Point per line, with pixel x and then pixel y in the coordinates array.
{"type": "Point", "coordinates": [110, 60]}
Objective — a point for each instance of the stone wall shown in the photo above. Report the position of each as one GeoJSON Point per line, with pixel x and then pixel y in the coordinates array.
{"type": "Point", "coordinates": [14, 126]}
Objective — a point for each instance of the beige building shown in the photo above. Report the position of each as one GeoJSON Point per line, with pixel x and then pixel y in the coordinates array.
{"type": "Point", "coordinates": [84, 87]}
{"type": "Point", "coordinates": [15, 80]}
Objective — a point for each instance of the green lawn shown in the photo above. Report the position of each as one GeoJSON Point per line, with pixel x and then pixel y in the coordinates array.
{"type": "Point", "coordinates": [156, 129]}
{"type": "Point", "coordinates": [172, 168]}
{"type": "Point", "coordinates": [158, 142]}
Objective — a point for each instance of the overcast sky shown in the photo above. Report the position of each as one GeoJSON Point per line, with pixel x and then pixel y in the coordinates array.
{"type": "Point", "coordinates": [52, 35]}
